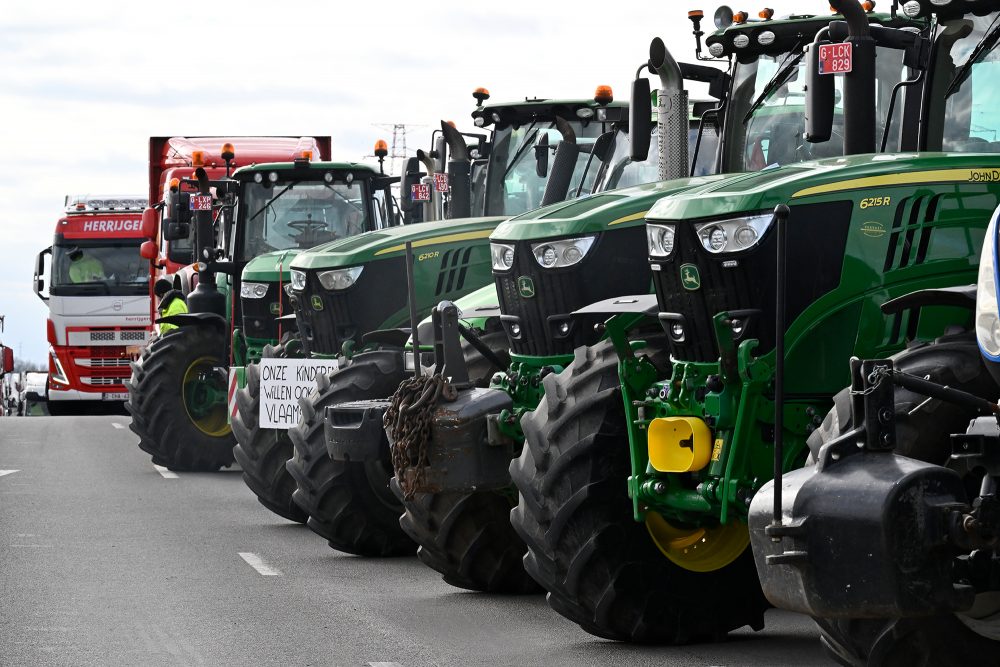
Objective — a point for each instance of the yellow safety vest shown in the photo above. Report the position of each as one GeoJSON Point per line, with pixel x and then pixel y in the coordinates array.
{"type": "Point", "coordinates": [176, 306]}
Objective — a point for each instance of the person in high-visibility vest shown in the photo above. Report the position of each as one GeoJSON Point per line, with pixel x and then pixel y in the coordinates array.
{"type": "Point", "coordinates": [172, 302]}
{"type": "Point", "coordinates": [84, 268]}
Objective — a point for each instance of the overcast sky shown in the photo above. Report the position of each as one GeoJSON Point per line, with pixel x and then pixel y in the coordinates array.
{"type": "Point", "coordinates": [84, 85]}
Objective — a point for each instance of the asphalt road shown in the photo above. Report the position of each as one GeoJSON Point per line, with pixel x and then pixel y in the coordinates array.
{"type": "Point", "coordinates": [105, 561]}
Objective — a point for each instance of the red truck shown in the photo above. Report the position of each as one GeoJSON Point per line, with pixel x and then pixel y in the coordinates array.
{"type": "Point", "coordinates": [177, 158]}
{"type": "Point", "coordinates": [98, 299]}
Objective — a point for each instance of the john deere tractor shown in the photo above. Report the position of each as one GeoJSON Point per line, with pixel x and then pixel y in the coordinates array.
{"type": "Point", "coordinates": [906, 571]}
{"type": "Point", "coordinates": [179, 388]}
{"type": "Point", "coordinates": [351, 306]}
{"type": "Point", "coordinates": [636, 479]}
{"type": "Point", "coordinates": [454, 474]}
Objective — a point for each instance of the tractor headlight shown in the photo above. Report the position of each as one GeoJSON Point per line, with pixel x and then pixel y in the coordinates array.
{"type": "Point", "coordinates": [253, 290]}
{"type": "Point", "coordinates": [298, 280]}
{"type": "Point", "coordinates": [503, 256]}
{"type": "Point", "coordinates": [660, 240]}
{"type": "Point", "coordinates": [340, 278]}
{"type": "Point", "coordinates": [987, 311]}
{"type": "Point", "coordinates": [561, 253]}
{"type": "Point", "coordinates": [733, 235]}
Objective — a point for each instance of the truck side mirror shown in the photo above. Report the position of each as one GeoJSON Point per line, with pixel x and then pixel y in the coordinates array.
{"type": "Point", "coordinates": [148, 250]}
{"type": "Point", "coordinates": [640, 120]}
{"type": "Point", "coordinates": [542, 156]}
{"type": "Point", "coordinates": [819, 89]}
{"type": "Point", "coordinates": [39, 277]}
{"type": "Point", "coordinates": [8, 360]}
{"type": "Point", "coordinates": [150, 221]}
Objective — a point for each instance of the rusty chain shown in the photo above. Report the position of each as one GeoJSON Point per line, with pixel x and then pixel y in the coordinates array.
{"type": "Point", "coordinates": [408, 424]}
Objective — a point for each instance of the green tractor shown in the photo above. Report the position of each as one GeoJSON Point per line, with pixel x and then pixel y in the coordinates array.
{"type": "Point", "coordinates": [351, 308]}
{"type": "Point", "coordinates": [180, 387]}
{"type": "Point", "coordinates": [453, 475]}
{"type": "Point", "coordinates": [906, 572]}
{"type": "Point", "coordinates": [637, 478]}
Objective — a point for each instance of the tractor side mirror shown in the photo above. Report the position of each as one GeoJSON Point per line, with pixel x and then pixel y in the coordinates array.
{"type": "Point", "coordinates": [411, 176]}
{"type": "Point", "coordinates": [542, 156]}
{"type": "Point", "coordinates": [176, 231]}
{"type": "Point", "coordinates": [8, 360]}
{"type": "Point", "coordinates": [604, 146]}
{"type": "Point", "coordinates": [819, 89]}
{"type": "Point", "coordinates": [640, 120]}
{"type": "Point", "coordinates": [179, 207]}
{"type": "Point", "coordinates": [150, 221]}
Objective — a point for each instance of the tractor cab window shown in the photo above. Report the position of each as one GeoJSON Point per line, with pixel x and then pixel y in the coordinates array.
{"type": "Point", "coordinates": [98, 268]}
{"type": "Point", "coordinates": [300, 214]}
{"type": "Point", "coordinates": [765, 121]}
{"type": "Point", "coordinates": [619, 171]}
{"type": "Point", "coordinates": [970, 86]}
{"type": "Point", "coordinates": [521, 161]}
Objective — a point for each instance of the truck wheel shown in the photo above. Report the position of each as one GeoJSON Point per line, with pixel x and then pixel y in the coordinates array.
{"type": "Point", "coordinates": [467, 536]}
{"type": "Point", "coordinates": [600, 567]}
{"type": "Point", "coordinates": [349, 503]}
{"type": "Point", "coordinates": [263, 452]}
{"type": "Point", "coordinates": [178, 401]}
{"type": "Point", "coordinates": [922, 433]}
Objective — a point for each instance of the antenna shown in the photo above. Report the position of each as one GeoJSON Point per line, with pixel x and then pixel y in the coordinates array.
{"type": "Point", "coordinates": [397, 149]}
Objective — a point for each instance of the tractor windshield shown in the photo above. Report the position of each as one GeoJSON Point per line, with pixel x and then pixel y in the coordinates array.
{"type": "Point", "coordinates": [521, 161]}
{"type": "Point", "coordinates": [299, 214]}
{"type": "Point", "coordinates": [98, 268]}
{"type": "Point", "coordinates": [765, 124]}
{"type": "Point", "coordinates": [970, 88]}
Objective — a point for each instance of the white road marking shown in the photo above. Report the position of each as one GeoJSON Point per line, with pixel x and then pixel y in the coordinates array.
{"type": "Point", "coordinates": [33, 546]}
{"type": "Point", "coordinates": [117, 425]}
{"type": "Point", "coordinates": [7, 472]}
{"type": "Point", "coordinates": [257, 563]}
{"type": "Point", "coordinates": [166, 474]}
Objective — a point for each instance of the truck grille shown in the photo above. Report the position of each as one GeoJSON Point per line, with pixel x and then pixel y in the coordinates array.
{"type": "Point", "coordinates": [816, 239]}
{"type": "Point", "coordinates": [615, 266]}
{"type": "Point", "coordinates": [258, 319]}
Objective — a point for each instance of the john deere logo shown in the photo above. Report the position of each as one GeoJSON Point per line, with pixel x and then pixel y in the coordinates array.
{"type": "Point", "coordinates": [873, 229]}
{"type": "Point", "coordinates": [317, 303]}
{"type": "Point", "coordinates": [526, 287]}
{"type": "Point", "coordinates": [275, 308]}
{"type": "Point", "coordinates": [690, 278]}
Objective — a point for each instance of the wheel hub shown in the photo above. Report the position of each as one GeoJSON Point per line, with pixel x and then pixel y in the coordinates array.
{"type": "Point", "coordinates": [698, 549]}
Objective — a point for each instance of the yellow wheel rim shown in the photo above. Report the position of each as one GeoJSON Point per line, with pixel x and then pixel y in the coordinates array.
{"type": "Point", "coordinates": [698, 549]}
{"type": "Point", "coordinates": [202, 388]}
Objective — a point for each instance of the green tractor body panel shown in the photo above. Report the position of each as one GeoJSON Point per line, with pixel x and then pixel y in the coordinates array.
{"type": "Point", "coordinates": [862, 230]}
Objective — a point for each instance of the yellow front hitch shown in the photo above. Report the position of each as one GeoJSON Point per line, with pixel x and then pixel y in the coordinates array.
{"type": "Point", "coordinates": [679, 444]}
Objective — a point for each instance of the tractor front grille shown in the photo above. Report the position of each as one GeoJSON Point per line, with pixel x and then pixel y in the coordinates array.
{"type": "Point", "coordinates": [260, 316]}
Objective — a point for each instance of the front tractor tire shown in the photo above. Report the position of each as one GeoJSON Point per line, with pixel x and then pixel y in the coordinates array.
{"type": "Point", "coordinates": [923, 428]}
{"type": "Point", "coordinates": [263, 452]}
{"type": "Point", "coordinates": [466, 535]}
{"type": "Point", "coordinates": [349, 502]}
{"type": "Point", "coordinates": [177, 400]}
{"type": "Point", "coordinates": [600, 567]}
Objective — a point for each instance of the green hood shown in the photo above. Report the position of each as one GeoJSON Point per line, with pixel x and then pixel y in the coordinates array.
{"type": "Point", "coordinates": [863, 175]}
{"type": "Point", "coordinates": [391, 242]}
{"type": "Point", "coordinates": [588, 215]}
{"type": "Point", "coordinates": [267, 267]}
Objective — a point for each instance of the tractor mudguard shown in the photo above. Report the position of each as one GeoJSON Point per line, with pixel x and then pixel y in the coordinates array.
{"type": "Point", "coordinates": [963, 296]}
{"type": "Point", "coordinates": [861, 537]}
{"type": "Point", "coordinates": [386, 337]}
{"type": "Point", "coordinates": [196, 319]}
{"type": "Point", "coordinates": [354, 430]}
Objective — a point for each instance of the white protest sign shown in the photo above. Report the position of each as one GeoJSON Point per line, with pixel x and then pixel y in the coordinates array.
{"type": "Point", "coordinates": [282, 383]}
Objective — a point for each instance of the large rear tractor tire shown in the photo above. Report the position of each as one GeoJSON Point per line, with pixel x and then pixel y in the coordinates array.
{"type": "Point", "coordinates": [600, 567]}
{"type": "Point", "coordinates": [467, 536]}
{"type": "Point", "coordinates": [349, 503]}
{"type": "Point", "coordinates": [922, 432]}
{"type": "Point", "coordinates": [178, 401]}
{"type": "Point", "coordinates": [263, 452]}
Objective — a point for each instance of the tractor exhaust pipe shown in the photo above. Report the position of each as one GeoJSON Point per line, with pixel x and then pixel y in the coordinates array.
{"type": "Point", "coordinates": [859, 83]}
{"type": "Point", "coordinates": [671, 112]}
{"type": "Point", "coordinates": [567, 153]}
{"type": "Point", "coordinates": [459, 173]}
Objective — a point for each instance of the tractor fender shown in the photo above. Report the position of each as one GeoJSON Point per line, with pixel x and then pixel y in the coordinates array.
{"type": "Point", "coordinates": [963, 296]}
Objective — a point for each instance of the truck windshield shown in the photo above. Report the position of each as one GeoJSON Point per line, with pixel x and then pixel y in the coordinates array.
{"type": "Point", "coordinates": [513, 183]}
{"type": "Point", "coordinates": [772, 133]}
{"type": "Point", "coordinates": [969, 85]}
{"type": "Point", "coordinates": [98, 267]}
{"type": "Point", "coordinates": [300, 214]}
